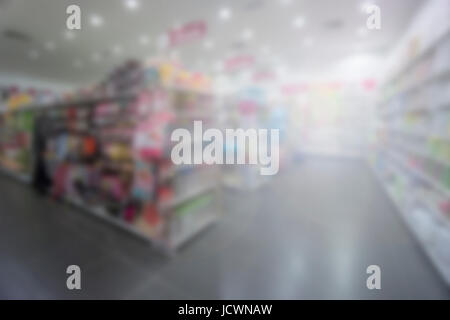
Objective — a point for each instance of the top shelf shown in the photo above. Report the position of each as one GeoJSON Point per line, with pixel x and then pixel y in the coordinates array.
{"type": "Point", "coordinates": [69, 103]}
{"type": "Point", "coordinates": [98, 99]}
{"type": "Point", "coordinates": [416, 59]}
{"type": "Point", "coordinates": [431, 79]}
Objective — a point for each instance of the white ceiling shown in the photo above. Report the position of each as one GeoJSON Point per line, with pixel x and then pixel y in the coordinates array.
{"type": "Point", "coordinates": [331, 25]}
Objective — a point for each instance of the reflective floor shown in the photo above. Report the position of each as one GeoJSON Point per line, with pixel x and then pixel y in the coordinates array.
{"type": "Point", "coordinates": [309, 234]}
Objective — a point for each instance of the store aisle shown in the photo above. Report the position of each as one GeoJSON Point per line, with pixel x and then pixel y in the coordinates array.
{"type": "Point", "coordinates": [261, 248]}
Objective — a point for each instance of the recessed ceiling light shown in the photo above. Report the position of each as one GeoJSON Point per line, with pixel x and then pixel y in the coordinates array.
{"type": "Point", "coordinates": [34, 54]}
{"type": "Point", "coordinates": [96, 20]}
{"type": "Point", "coordinates": [247, 34]}
{"type": "Point", "coordinates": [69, 35]}
{"type": "Point", "coordinates": [298, 22]}
{"type": "Point", "coordinates": [209, 44]}
{"type": "Point", "coordinates": [132, 4]}
{"type": "Point", "coordinates": [144, 40]}
{"type": "Point", "coordinates": [117, 50]}
{"type": "Point", "coordinates": [50, 46]}
{"type": "Point", "coordinates": [225, 14]}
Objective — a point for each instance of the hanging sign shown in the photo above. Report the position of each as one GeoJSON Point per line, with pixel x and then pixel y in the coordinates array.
{"type": "Point", "coordinates": [186, 33]}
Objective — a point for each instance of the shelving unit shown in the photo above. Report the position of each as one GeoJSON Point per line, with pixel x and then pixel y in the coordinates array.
{"type": "Point", "coordinates": [411, 142]}
{"type": "Point", "coordinates": [110, 156]}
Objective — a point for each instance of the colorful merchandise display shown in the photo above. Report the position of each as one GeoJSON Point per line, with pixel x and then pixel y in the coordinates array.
{"type": "Point", "coordinates": [111, 154]}
{"type": "Point", "coordinates": [16, 131]}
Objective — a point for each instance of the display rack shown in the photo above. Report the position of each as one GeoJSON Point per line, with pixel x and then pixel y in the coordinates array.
{"type": "Point", "coordinates": [110, 156]}
{"type": "Point", "coordinates": [411, 141]}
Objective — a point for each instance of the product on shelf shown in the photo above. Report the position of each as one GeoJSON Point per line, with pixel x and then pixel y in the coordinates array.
{"type": "Point", "coordinates": [108, 150]}
{"type": "Point", "coordinates": [16, 142]}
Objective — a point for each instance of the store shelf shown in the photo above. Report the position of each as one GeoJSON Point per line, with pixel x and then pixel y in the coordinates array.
{"type": "Point", "coordinates": [441, 264]}
{"type": "Point", "coordinates": [186, 196]}
{"type": "Point", "coordinates": [436, 184]}
{"type": "Point", "coordinates": [422, 153]}
{"type": "Point", "coordinates": [439, 76]}
{"type": "Point", "coordinates": [425, 200]}
{"type": "Point", "coordinates": [100, 213]}
{"type": "Point", "coordinates": [418, 108]}
{"type": "Point", "coordinates": [59, 104]}
{"type": "Point", "coordinates": [411, 161]}
{"type": "Point", "coordinates": [22, 177]}
{"type": "Point", "coordinates": [185, 236]}
{"type": "Point", "coordinates": [419, 133]}
{"type": "Point", "coordinates": [418, 57]}
{"type": "Point", "coordinates": [114, 182]}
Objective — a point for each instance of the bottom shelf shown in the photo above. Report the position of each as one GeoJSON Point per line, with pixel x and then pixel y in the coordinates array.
{"type": "Point", "coordinates": [434, 240]}
{"type": "Point", "coordinates": [99, 212]}
{"type": "Point", "coordinates": [18, 176]}
{"type": "Point", "coordinates": [185, 236]}
{"type": "Point", "coordinates": [166, 247]}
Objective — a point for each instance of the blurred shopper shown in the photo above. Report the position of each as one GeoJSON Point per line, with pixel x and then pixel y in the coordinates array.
{"type": "Point", "coordinates": [41, 180]}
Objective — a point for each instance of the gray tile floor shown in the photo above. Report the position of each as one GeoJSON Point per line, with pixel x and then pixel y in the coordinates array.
{"type": "Point", "coordinates": [309, 234]}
